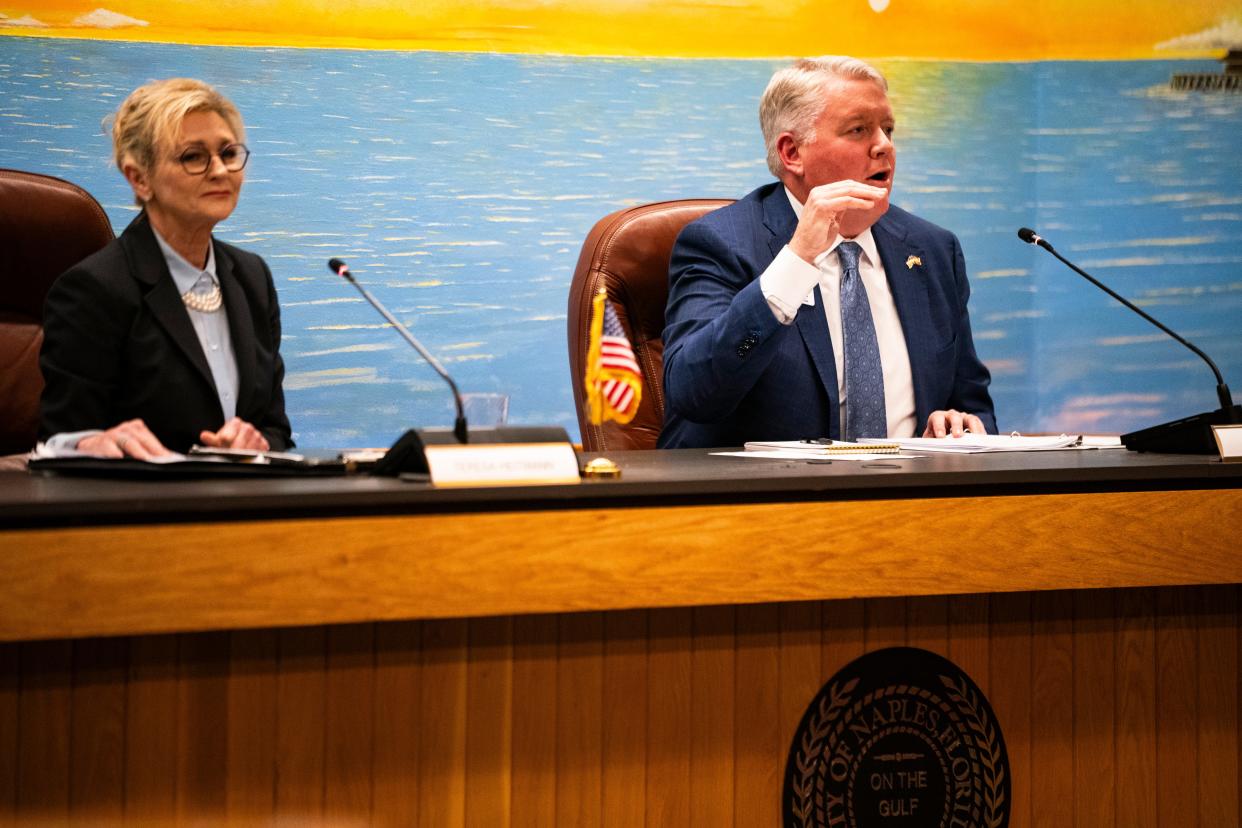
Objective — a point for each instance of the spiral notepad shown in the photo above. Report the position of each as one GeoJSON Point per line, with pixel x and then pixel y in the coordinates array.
{"type": "Point", "coordinates": [813, 447]}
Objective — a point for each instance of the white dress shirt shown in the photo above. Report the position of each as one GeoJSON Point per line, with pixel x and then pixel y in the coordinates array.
{"type": "Point", "coordinates": [789, 283]}
{"type": "Point", "coordinates": [212, 329]}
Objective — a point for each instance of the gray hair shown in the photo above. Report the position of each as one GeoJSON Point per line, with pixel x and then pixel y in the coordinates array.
{"type": "Point", "coordinates": [793, 100]}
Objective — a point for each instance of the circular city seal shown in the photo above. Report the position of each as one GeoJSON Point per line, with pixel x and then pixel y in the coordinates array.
{"type": "Point", "coordinates": [899, 738]}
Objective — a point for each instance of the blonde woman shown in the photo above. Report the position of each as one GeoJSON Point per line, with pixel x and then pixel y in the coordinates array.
{"type": "Point", "coordinates": [168, 337]}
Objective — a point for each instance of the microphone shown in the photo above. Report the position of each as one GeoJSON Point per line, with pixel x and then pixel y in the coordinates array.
{"type": "Point", "coordinates": [459, 427]}
{"type": "Point", "coordinates": [1189, 435]}
{"type": "Point", "coordinates": [1028, 235]}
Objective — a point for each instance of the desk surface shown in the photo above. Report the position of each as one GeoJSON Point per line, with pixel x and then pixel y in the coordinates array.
{"type": "Point", "coordinates": [650, 478]}
{"type": "Point", "coordinates": [88, 556]}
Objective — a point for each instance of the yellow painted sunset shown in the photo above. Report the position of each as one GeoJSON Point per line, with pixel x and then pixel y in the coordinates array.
{"type": "Point", "coordinates": [967, 30]}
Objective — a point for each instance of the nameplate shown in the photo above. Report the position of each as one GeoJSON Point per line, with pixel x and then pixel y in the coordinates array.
{"type": "Point", "coordinates": [1228, 442]}
{"type": "Point", "coordinates": [502, 464]}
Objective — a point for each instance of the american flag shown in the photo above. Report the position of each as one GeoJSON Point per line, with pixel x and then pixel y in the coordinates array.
{"type": "Point", "coordinates": [614, 382]}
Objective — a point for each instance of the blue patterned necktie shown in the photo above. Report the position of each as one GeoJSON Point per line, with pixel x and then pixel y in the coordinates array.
{"type": "Point", "coordinates": [864, 378]}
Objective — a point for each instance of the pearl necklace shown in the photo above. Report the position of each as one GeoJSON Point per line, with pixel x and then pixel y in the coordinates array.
{"type": "Point", "coordinates": [203, 302]}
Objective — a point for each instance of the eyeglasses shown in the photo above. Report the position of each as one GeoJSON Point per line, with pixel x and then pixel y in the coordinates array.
{"type": "Point", "coordinates": [197, 160]}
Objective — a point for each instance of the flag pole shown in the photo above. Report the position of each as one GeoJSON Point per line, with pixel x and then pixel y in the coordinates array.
{"type": "Point", "coordinates": [601, 468]}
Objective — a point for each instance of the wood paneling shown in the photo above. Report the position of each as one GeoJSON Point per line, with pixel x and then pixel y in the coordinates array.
{"type": "Point", "coordinates": [1094, 703]}
{"type": "Point", "coordinates": [758, 745]}
{"type": "Point", "coordinates": [202, 576]}
{"type": "Point", "coordinates": [1177, 708]}
{"type": "Point", "coordinates": [625, 713]}
{"type": "Point", "coordinates": [202, 727]}
{"type": "Point", "coordinates": [395, 777]}
{"type": "Point", "coordinates": [968, 637]}
{"type": "Point", "coordinates": [1135, 692]}
{"type": "Point", "coordinates": [489, 723]}
{"type": "Point", "coordinates": [1218, 706]}
{"type": "Point", "coordinates": [250, 795]}
{"type": "Point", "coordinates": [301, 680]}
{"type": "Point", "coordinates": [534, 719]}
{"type": "Point", "coordinates": [579, 705]}
{"type": "Point", "coordinates": [349, 698]}
{"type": "Point", "coordinates": [886, 623]}
{"type": "Point", "coordinates": [97, 747]}
{"type": "Point", "coordinates": [712, 663]}
{"type": "Point", "coordinates": [928, 622]}
{"type": "Point", "coordinates": [1052, 710]}
{"type": "Point", "coordinates": [1009, 663]}
{"type": "Point", "coordinates": [151, 745]}
{"type": "Point", "coordinates": [45, 719]}
{"type": "Point", "coordinates": [442, 724]}
{"type": "Point", "coordinates": [667, 697]}
{"type": "Point", "coordinates": [1118, 708]}
{"type": "Point", "coordinates": [9, 695]}
{"type": "Point", "coordinates": [841, 642]}
{"type": "Point", "coordinates": [801, 648]}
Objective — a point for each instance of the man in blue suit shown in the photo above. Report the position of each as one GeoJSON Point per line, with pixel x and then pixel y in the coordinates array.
{"type": "Point", "coordinates": [811, 307]}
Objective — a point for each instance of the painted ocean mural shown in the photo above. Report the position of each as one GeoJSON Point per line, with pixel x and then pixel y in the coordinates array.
{"type": "Point", "coordinates": [459, 188]}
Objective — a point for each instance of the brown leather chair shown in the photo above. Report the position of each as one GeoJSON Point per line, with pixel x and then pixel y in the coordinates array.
{"type": "Point", "coordinates": [628, 252]}
{"type": "Point", "coordinates": [46, 226]}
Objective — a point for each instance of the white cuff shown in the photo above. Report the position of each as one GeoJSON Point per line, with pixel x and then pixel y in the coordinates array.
{"type": "Point", "coordinates": [69, 439]}
{"type": "Point", "coordinates": [787, 284]}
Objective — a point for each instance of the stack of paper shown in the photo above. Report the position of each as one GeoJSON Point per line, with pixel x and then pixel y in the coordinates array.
{"type": "Point", "coordinates": [905, 448]}
{"type": "Point", "coordinates": [826, 446]}
{"type": "Point", "coordinates": [823, 449]}
{"type": "Point", "coordinates": [978, 443]}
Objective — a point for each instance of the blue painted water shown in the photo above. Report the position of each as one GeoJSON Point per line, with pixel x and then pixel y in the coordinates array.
{"type": "Point", "coordinates": [459, 188]}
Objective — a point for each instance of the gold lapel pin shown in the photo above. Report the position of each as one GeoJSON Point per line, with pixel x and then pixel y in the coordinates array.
{"type": "Point", "coordinates": [912, 261]}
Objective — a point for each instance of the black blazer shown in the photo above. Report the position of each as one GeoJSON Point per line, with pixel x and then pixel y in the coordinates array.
{"type": "Point", "coordinates": [118, 344]}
